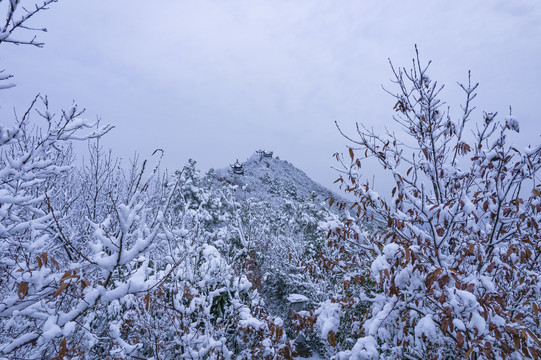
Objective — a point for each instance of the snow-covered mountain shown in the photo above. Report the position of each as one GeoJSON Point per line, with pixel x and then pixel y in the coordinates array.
{"type": "Point", "coordinates": [272, 179]}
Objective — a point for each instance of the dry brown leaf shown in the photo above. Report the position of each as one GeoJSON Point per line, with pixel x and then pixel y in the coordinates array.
{"type": "Point", "coordinates": [22, 290]}
{"type": "Point", "coordinates": [60, 289]}
{"type": "Point", "coordinates": [332, 338]}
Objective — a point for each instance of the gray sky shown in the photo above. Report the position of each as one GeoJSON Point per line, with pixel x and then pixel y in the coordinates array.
{"type": "Point", "coordinates": [214, 80]}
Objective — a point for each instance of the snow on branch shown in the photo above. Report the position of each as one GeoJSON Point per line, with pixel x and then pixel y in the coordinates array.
{"type": "Point", "coordinates": [454, 254]}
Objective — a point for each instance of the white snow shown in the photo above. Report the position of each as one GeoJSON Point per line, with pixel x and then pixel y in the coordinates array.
{"type": "Point", "coordinates": [294, 298]}
{"type": "Point", "coordinates": [328, 318]}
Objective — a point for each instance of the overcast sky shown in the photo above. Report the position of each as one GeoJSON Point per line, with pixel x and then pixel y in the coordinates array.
{"type": "Point", "coordinates": [215, 80]}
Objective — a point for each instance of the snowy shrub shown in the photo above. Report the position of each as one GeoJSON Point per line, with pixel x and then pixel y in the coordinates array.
{"type": "Point", "coordinates": [340, 273]}
{"type": "Point", "coordinates": [204, 311]}
{"type": "Point", "coordinates": [204, 307]}
{"type": "Point", "coordinates": [455, 247]}
{"type": "Point", "coordinates": [102, 263]}
{"type": "Point", "coordinates": [37, 259]}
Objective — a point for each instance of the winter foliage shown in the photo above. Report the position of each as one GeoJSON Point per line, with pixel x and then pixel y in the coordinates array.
{"type": "Point", "coordinates": [108, 260]}
{"type": "Point", "coordinates": [454, 250]}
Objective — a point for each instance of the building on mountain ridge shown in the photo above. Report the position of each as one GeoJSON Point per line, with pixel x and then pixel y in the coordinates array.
{"type": "Point", "coordinates": [264, 154]}
{"type": "Point", "coordinates": [237, 168]}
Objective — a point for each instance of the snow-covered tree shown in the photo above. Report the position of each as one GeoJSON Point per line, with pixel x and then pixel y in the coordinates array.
{"type": "Point", "coordinates": [15, 29]}
{"type": "Point", "coordinates": [455, 247]}
{"type": "Point", "coordinates": [83, 252]}
{"type": "Point", "coordinates": [34, 159]}
{"type": "Point", "coordinates": [338, 274]}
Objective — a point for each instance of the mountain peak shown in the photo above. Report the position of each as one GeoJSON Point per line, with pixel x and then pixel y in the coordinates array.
{"type": "Point", "coordinates": [265, 176]}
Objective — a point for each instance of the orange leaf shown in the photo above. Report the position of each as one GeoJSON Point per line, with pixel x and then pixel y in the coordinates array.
{"type": "Point", "coordinates": [459, 340]}
{"type": "Point", "coordinates": [66, 276]}
{"type": "Point", "coordinates": [60, 289]}
{"type": "Point", "coordinates": [532, 335]}
{"type": "Point", "coordinates": [351, 153]}
{"type": "Point", "coordinates": [488, 349]}
{"type": "Point", "coordinates": [23, 290]}
{"type": "Point", "coordinates": [516, 342]}
{"type": "Point", "coordinates": [147, 301]}
{"type": "Point", "coordinates": [85, 283]}
{"type": "Point", "coordinates": [332, 338]}
{"type": "Point", "coordinates": [63, 349]}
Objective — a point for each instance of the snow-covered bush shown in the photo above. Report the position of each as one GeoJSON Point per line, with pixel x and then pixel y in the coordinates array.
{"type": "Point", "coordinates": [340, 274]}
{"type": "Point", "coordinates": [204, 307]}
{"type": "Point", "coordinates": [37, 260]}
{"type": "Point", "coordinates": [204, 311]}
{"type": "Point", "coordinates": [455, 248]}
{"type": "Point", "coordinates": [100, 262]}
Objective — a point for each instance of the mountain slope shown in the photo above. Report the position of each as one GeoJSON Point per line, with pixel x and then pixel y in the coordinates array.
{"type": "Point", "coordinates": [272, 179]}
